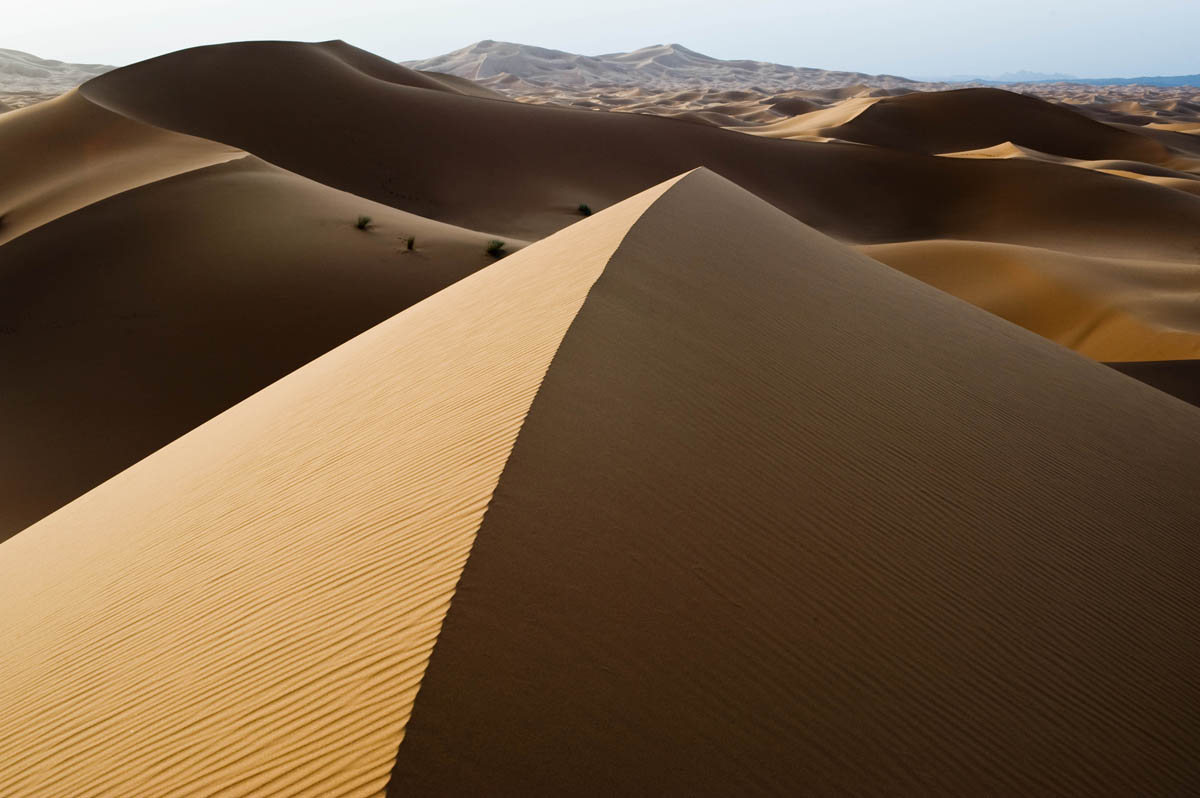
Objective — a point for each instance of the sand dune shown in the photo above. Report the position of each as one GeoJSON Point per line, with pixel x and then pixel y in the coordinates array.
{"type": "Point", "coordinates": [129, 322]}
{"type": "Point", "coordinates": [280, 574]}
{"type": "Point", "coordinates": [686, 497]}
{"type": "Point", "coordinates": [67, 153]}
{"type": "Point", "coordinates": [785, 517]}
{"type": "Point", "coordinates": [488, 166]}
{"type": "Point", "coordinates": [966, 119]}
{"type": "Point", "coordinates": [522, 170]}
{"type": "Point", "coordinates": [1107, 309]}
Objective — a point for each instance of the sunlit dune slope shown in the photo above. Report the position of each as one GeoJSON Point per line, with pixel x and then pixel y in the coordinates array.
{"type": "Point", "coordinates": [63, 154]}
{"type": "Point", "coordinates": [249, 610]}
{"type": "Point", "coordinates": [127, 323]}
{"type": "Point", "coordinates": [1104, 308]}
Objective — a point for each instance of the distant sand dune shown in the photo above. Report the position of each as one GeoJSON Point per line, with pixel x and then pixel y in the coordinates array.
{"type": "Point", "coordinates": [952, 121]}
{"type": "Point", "coordinates": [1106, 309]}
{"type": "Point", "coordinates": [521, 170]}
{"type": "Point", "coordinates": [133, 320]}
{"type": "Point", "coordinates": [66, 153]}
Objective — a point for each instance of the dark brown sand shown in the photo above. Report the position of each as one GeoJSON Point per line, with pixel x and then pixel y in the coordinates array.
{"type": "Point", "coordinates": [782, 521]}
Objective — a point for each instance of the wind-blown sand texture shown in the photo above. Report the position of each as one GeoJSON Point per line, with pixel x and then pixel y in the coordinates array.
{"type": "Point", "coordinates": [745, 484]}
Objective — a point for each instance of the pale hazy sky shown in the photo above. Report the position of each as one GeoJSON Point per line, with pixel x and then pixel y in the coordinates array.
{"type": "Point", "coordinates": [1088, 38]}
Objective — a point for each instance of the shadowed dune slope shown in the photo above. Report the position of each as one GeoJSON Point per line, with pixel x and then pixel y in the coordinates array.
{"type": "Point", "coordinates": [1180, 378]}
{"type": "Point", "coordinates": [63, 154]}
{"type": "Point", "coordinates": [783, 520]}
{"type": "Point", "coordinates": [249, 610]}
{"type": "Point", "coordinates": [1105, 308]}
{"type": "Point", "coordinates": [129, 322]}
{"type": "Point", "coordinates": [522, 170]}
{"type": "Point", "coordinates": [968, 119]}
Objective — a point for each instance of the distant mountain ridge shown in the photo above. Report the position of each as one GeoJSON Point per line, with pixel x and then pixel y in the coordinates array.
{"type": "Point", "coordinates": [1024, 77]}
{"type": "Point", "coordinates": [1155, 80]}
{"type": "Point", "coordinates": [23, 72]}
{"type": "Point", "coordinates": [659, 66]}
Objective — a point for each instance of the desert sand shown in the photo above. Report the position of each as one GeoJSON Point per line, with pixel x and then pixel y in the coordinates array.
{"type": "Point", "coordinates": [806, 431]}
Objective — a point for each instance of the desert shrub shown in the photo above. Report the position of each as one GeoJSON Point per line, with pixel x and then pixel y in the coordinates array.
{"type": "Point", "coordinates": [363, 223]}
{"type": "Point", "coordinates": [410, 242]}
{"type": "Point", "coordinates": [585, 209]}
{"type": "Point", "coordinates": [495, 248]}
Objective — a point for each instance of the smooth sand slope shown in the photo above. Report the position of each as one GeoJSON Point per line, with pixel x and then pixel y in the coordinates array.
{"type": "Point", "coordinates": [1107, 309]}
{"type": "Point", "coordinates": [249, 610]}
{"type": "Point", "coordinates": [522, 170]}
{"type": "Point", "coordinates": [61, 155]}
{"type": "Point", "coordinates": [782, 520]}
{"type": "Point", "coordinates": [129, 322]}
{"type": "Point", "coordinates": [950, 121]}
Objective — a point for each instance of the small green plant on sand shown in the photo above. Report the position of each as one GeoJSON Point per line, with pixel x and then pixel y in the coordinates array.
{"type": "Point", "coordinates": [585, 209]}
{"type": "Point", "coordinates": [363, 223]}
{"type": "Point", "coordinates": [495, 248]}
{"type": "Point", "coordinates": [410, 242]}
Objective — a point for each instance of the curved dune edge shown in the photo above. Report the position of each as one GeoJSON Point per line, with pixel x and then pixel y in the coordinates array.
{"type": "Point", "coordinates": [250, 609]}
{"type": "Point", "coordinates": [67, 153]}
{"type": "Point", "coordinates": [191, 293]}
{"type": "Point", "coordinates": [784, 521]}
{"type": "Point", "coordinates": [452, 158]}
{"type": "Point", "coordinates": [1104, 308]}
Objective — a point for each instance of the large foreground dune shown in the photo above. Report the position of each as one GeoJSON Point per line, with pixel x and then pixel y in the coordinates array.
{"type": "Point", "coordinates": [788, 517]}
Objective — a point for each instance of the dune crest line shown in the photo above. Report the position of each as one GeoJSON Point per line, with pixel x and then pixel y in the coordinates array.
{"type": "Point", "coordinates": [250, 609]}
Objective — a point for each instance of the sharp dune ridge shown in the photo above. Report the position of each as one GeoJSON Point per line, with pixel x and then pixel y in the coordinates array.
{"type": "Point", "coordinates": [197, 290]}
{"type": "Point", "coordinates": [440, 428]}
{"type": "Point", "coordinates": [68, 153]}
{"type": "Point", "coordinates": [283, 569]}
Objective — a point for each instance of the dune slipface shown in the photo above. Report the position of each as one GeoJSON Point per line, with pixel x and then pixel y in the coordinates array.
{"type": "Point", "coordinates": [249, 610]}
{"type": "Point", "coordinates": [782, 521]}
